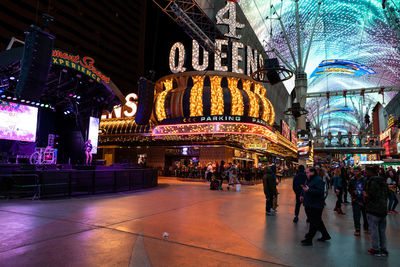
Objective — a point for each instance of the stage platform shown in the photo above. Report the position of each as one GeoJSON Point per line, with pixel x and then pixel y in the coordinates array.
{"type": "Point", "coordinates": [66, 180]}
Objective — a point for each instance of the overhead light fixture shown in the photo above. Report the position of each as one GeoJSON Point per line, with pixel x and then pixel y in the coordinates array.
{"type": "Point", "coordinates": [12, 78]}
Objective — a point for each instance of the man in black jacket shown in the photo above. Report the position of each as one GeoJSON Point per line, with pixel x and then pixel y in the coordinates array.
{"type": "Point", "coordinates": [376, 195]}
{"type": "Point", "coordinates": [313, 201]}
{"type": "Point", "coordinates": [298, 181]}
{"type": "Point", "coordinates": [269, 183]}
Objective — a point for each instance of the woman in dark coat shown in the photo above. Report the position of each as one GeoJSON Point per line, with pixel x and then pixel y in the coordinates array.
{"type": "Point", "coordinates": [313, 201]}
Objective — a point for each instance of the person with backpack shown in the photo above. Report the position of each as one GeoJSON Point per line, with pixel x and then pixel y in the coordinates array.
{"type": "Point", "coordinates": [357, 186]}
{"type": "Point", "coordinates": [376, 196]}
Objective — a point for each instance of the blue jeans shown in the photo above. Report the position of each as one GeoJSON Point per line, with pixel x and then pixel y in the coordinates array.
{"type": "Point", "coordinates": [357, 211]}
{"type": "Point", "coordinates": [393, 201]}
{"type": "Point", "coordinates": [269, 201]}
{"type": "Point", "coordinates": [298, 204]}
{"type": "Point", "coordinates": [378, 231]}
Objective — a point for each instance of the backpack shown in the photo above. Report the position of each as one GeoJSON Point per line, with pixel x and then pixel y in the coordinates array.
{"type": "Point", "coordinates": [214, 185]}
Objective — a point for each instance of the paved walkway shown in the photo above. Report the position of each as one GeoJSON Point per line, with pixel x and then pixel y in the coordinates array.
{"type": "Point", "coordinates": [203, 228]}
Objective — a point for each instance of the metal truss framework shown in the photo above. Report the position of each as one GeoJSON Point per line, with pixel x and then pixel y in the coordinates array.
{"type": "Point", "coordinates": [189, 15]}
{"type": "Point", "coordinates": [359, 91]}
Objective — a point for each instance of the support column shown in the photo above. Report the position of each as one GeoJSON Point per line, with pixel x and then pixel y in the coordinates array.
{"type": "Point", "coordinates": [301, 91]}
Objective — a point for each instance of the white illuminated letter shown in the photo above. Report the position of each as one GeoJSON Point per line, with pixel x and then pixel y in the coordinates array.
{"type": "Point", "coordinates": [236, 57]}
{"type": "Point", "coordinates": [175, 68]}
{"type": "Point", "coordinates": [217, 64]}
{"type": "Point", "coordinates": [131, 103]}
{"type": "Point", "coordinates": [230, 21]}
{"type": "Point", "coordinates": [251, 60]}
{"type": "Point", "coordinates": [260, 65]}
{"type": "Point", "coordinates": [196, 57]}
{"type": "Point", "coordinates": [117, 111]}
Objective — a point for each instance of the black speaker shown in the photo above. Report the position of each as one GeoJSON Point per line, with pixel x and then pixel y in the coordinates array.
{"type": "Point", "coordinates": [145, 103]}
{"type": "Point", "coordinates": [271, 64]}
{"type": "Point", "coordinates": [273, 77]}
{"type": "Point", "coordinates": [36, 63]}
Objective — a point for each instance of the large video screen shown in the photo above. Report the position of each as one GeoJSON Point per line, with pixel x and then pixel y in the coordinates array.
{"type": "Point", "coordinates": [18, 122]}
{"type": "Point", "coordinates": [94, 133]}
{"type": "Point", "coordinates": [342, 66]}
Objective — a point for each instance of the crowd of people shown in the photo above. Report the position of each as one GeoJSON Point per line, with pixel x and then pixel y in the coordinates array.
{"type": "Point", "coordinates": [373, 194]}
{"type": "Point", "coordinates": [246, 172]}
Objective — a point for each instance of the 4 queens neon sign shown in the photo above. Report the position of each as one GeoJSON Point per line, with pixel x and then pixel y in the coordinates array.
{"type": "Point", "coordinates": [84, 65]}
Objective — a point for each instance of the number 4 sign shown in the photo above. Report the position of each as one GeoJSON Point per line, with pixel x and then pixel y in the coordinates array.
{"type": "Point", "coordinates": [230, 8]}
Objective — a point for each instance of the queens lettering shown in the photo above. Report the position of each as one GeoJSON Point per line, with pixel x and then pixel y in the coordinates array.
{"type": "Point", "coordinates": [253, 59]}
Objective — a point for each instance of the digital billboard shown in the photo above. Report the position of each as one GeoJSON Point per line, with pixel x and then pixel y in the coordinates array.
{"type": "Point", "coordinates": [94, 133]}
{"type": "Point", "coordinates": [18, 122]}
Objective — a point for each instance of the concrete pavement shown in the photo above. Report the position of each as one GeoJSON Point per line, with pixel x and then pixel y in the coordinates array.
{"type": "Point", "coordinates": [203, 228]}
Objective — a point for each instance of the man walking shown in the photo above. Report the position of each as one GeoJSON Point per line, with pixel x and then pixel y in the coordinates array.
{"type": "Point", "coordinates": [298, 181]}
{"type": "Point", "coordinates": [376, 195]}
{"type": "Point", "coordinates": [313, 201]}
{"type": "Point", "coordinates": [357, 186]}
{"type": "Point", "coordinates": [269, 183]}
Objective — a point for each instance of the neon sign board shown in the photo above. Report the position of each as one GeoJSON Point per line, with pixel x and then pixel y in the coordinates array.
{"type": "Point", "coordinates": [84, 65]}
{"type": "Point", "coordinates": [245, 59]}
{"type": "Point", "coordinates": [342, 66]}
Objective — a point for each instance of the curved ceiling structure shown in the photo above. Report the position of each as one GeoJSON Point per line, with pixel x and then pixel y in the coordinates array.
{"type": "Point", "coordinates": [360, 31]}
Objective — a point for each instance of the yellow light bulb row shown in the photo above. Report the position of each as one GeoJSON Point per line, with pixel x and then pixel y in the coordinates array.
{"type": "Point", "coordinates": [266, 114]}
{"type": "Point", "coordinates": [272, 112]}
{"type": "Point", "coordinates": [196, 97]}
{"type": "Point", "coordinates": [237, 98]}
{"type": "Point", "coordinates": [160, 102]}
{"type": "Point", "coordinates": [217, 96]}
{"type": "Point", "coordinates": [254, 106]}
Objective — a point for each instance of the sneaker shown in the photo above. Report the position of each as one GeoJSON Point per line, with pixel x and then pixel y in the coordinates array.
{"type": "Point", "coordinates": [306, 242]}
{"type": "Point", "coordinates": [296, 219]}
{"type": "Point", "coordinates": [374, 252]}
{"type": "Point", "coordinates": [384, 253]}
{"type": "Point", "coordinates": [270, 213]}
{"type": "Point", "coordinates": [357, 233]}
{"type": "Point", "coordinates": [395, 212]}
{"type": "Point", "coordinates": [324, 238]}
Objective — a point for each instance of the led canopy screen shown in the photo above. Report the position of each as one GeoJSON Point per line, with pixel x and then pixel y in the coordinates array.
{"type": "Point", "coordinates": [94, 133]}
{"type": "Point", "coordinates": [341, 66]}
{"type": "Point", "coordinates": [351, 33]}
{"type": "Point", "coordinates": [18, 122]}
